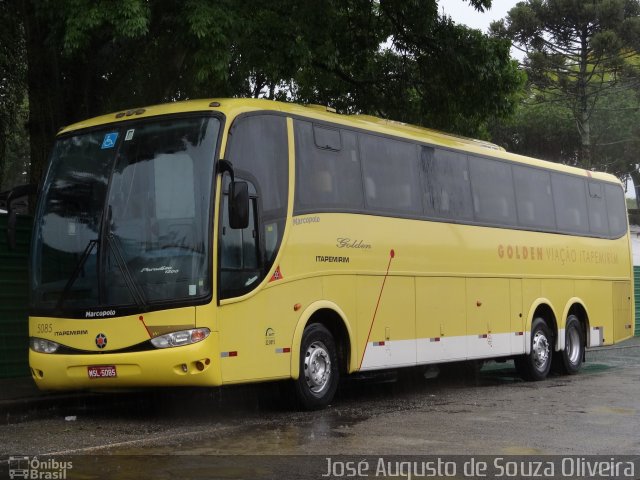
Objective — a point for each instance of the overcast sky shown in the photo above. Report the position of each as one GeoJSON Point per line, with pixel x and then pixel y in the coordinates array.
{"type": "Point", "coordinates": [461, 12]}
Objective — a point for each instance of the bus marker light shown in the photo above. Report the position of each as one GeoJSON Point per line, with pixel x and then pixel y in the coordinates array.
{"type": "Point", "coordinates": [228, 354]}
{"type": "Point", "coordinates": [436, 339]}
{"type": "Point", "coordinates": [283, 350]}
{"type": "Point", "coordinates": [378, 344]}
{"type": "Point", "coordinates": [297, 307]}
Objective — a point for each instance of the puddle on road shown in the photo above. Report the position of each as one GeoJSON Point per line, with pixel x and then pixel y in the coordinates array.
{"type": "Point", "coordinates": [302, 438]}
{"type": "Point", "coordinates": [607, 410]}
{"type": "Point", "coordinates": [517, 450]}
{"type": "Point", "coordinates": [595, 367]}
{"type": "Point", "coordinates": [223, 467]}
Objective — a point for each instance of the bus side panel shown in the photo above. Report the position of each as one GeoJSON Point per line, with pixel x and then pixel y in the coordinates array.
{"type": "Point", "coordinates": [387, 309]}
{"type": "Point", "coordinates": [531, 293]}
{"type": "Point", "coordinates": [256, 333]}
{"type": "Point", "coordinates": [341, 290]}
{"type": "Point", "coordinates": [516, 333]}
{"type": "Point", "coordinates": [441, 319]}
{"type": "Point", "coordinates": [597, 297]}
{"type": "Point", "coordinates": [488, 317]}
{"type": "Point", "coordinates": [558, 291]}
{"type": "Point", "coordinates": [622, 321]}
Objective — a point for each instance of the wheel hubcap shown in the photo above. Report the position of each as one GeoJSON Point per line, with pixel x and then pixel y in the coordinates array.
{"type": "Point", "coordinates": [317, 367]}
{"type": "Point", "coordinates": [573, 346]}
{"type": "Point", "coordinates": [540, 351]}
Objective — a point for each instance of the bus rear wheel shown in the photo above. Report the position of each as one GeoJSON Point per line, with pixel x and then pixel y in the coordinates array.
{"type": "Point", "coordinates": [535, 366]}
{"type": "Point", "coordinates": [319, 369]}
{"type": "Point", "coordinates": [569, 360]}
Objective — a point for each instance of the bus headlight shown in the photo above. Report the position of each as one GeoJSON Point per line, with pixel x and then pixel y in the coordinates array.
{"type": "Point", "coordinates": [43, 346]}
{"type": "Point", "coordinates": [178, 339]}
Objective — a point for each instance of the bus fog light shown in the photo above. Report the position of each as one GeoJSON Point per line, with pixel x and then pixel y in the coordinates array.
{"type": "Point", "coordinates": [178, 339]}
{"type": "Point", "coordinates": [41, 345]}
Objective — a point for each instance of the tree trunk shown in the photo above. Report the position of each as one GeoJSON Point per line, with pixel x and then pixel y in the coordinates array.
{"type": "Point", "coordinates": [43, 85]}
{"type": "Point", "coordinates": [584, 115]}
{"type": "Point", "coordinates": [635, 176]}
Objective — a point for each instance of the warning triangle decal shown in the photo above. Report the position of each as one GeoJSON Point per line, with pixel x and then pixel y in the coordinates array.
{"type": "Point", "coordinates": [277, 275]}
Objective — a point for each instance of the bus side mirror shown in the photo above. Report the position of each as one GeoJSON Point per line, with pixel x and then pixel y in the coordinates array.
{"type": "Point", "coordinates": [16, 193]}
{"type": "Point", "coordinates": [238, 205]}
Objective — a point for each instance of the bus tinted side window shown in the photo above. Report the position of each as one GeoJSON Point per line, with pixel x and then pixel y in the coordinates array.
{"type": "Point", "coordinates": [569, 194]}
{"type": "Point", "coordinates": [598, 224]}
{"type": "Point", "coordinates": [616, 209]}
{"type": "Point", "coordinates": [328, 173]}
{"type": "Point", "coordinates": [447, 191]}
{"type": "Point", "coordinates": [493, 195]}
{"type": "Point", "coordinates": [534, 200]}
{"type": "Point", "coordinates": [391, 175]}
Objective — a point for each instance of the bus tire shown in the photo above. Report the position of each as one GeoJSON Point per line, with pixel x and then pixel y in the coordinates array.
{"type": "Point", "coordinates": [536, 365]}
{"type": "Point", "coordinates": [319, 369]}
{"type": "Point", "coordinates": [569, 360]}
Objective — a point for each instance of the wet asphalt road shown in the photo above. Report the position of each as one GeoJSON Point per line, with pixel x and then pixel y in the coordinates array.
{"type": "Point", "coordinates": [492, 413]}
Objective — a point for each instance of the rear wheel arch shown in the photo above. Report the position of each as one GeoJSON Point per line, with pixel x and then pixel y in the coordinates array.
{"type": "Point", "coordinates": [541, 308]}
{"type": "Point", "coordinates": [575, 306]}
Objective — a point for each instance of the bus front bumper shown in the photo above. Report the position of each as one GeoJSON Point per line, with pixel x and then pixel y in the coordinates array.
{"type": "Point", "coordinates": [190, 365]}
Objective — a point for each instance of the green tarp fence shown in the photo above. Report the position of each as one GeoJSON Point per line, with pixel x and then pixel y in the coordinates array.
{"type": "Point", "coordinates": [636, 283]}
{"type": "Point", "coordinates": [14, 297]}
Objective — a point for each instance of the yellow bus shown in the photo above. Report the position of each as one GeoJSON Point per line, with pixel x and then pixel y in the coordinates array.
{"type": "Point", "coordinates": [215, 242]}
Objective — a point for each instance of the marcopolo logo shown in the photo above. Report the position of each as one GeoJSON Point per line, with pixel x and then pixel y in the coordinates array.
{"type": "Point", "coordinates": [99, 314]}
{"type": "Point", "coordinates": [33, 468]}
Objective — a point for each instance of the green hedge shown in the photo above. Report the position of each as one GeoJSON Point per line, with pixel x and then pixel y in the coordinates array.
{"type": "Point", "coordinates": [14, 297]}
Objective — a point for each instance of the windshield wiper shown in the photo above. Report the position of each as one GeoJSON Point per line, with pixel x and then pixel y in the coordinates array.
{"type": "Point", "coordinates": [76, 273]}
{"type": "Point", "coordinates": [133, 287]}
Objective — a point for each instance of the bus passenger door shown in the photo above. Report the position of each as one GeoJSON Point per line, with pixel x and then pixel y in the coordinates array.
{"type": "Point", "coordinates": [488, 317]}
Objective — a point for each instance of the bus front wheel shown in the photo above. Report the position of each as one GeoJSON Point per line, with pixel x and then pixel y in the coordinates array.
{"type": "Point", "coordinates": [319, 370]}
{"type": "Point", "coordinates": [536, 365]}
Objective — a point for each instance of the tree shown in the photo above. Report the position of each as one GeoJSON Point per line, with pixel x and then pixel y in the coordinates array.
{"type": "Point", "coordinates": [86, 57]}
{"type": "Point", "coordinates": [12, 88]}
{"type": "Point", "coordinates": [543, 130]}
{"type": "Point", "coordinates": [578, 55]}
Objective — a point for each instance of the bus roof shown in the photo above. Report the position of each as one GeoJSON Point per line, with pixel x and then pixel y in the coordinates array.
{"type": "Point", "coordinates": [231, 107]}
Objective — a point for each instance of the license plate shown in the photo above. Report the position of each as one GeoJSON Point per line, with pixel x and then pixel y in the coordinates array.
{"type": "Point", "coordinates": [102, 371]}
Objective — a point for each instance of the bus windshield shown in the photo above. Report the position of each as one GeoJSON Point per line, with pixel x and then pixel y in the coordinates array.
{"type": "Point", "coordinates": [124, 218]}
